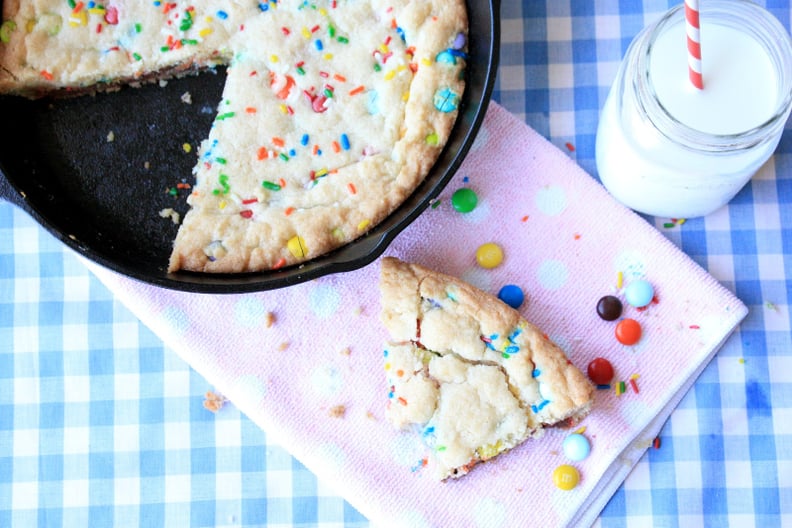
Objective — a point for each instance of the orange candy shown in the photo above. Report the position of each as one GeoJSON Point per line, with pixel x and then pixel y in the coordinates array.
{"type": "Point", "coordinates": [628, 331]}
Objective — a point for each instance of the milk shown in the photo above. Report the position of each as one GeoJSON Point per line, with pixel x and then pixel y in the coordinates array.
{"type": "Point", "coordinates": [740, 83]}
{"type": "Point", "coordinates": [666, 148]}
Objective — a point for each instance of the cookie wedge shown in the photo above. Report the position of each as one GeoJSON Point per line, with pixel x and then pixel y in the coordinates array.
{"type": "Point", "coordinates": [467, 371]}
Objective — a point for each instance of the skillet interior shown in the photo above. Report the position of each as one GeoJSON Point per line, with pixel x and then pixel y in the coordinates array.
{"type": "Point", "coordinates": [96, 170]}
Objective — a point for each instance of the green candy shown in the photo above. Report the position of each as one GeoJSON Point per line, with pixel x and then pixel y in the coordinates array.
{"type": "Point", "coordinates": [6, 29]}
{"type": "Point", "coordinates": [464, 200]}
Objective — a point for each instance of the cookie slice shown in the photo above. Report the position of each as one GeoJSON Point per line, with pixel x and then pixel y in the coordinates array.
{"type": "Point", "coordinates": [468, 371]}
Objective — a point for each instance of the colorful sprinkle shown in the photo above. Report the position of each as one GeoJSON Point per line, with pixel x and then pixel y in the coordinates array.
{"type": "Point", "coordinates": [674, 222]}
{"type": "Point", "coordinates": [223, 180]}
{"type": "Point", "coordinates": [633, 383]}
{"type": "Point", "coordinates": [270, 186]}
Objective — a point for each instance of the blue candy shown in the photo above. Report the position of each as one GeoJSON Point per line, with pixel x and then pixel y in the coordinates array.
{"type": "Point", "coordinates": [446, 100]}
{"type": "Point", "coordinates": [639, 293]}
{"type": "Point", "coordinates": [446, 57]}
{"type": "Point", "coordinates": [512, 295]}
{"type": "Point", "coordinates": [576, 447]}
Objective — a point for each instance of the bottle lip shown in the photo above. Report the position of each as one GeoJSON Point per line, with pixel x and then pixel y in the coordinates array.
{"type": "Point", "coordinates": [767, 30]}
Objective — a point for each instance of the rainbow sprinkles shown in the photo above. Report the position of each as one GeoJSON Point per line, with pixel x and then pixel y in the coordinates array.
{"type": "Point", "coordinates": [332, 113]}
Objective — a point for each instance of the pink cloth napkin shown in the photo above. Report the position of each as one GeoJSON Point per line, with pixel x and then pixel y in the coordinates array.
{"type": "Point", "coordinates": [311, 374]}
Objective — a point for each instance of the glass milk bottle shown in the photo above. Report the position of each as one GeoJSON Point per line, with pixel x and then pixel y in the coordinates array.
{"type": "Point", "coordinates": [666, 148]}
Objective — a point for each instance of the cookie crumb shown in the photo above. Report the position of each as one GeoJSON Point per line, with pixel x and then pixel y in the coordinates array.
{"type": "Point", "coordinates": [269, 319]}
{"type": "Point", "coordinates": [186, 98]}
{"type": "Point", "coordinates": [337, 411]}
{"type": "Point", "coordinates": [110, 136]}
{"type": "Point", "coordinates": [283, 346]}
{"type": "Point", "coordinates": [170, 213]}
{"type": "Point", "coordinates": [213, 402]}
{"type": "Point", "coordinates": [346, 352]}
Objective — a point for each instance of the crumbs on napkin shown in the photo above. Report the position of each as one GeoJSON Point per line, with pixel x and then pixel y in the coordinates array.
{"type": "Point", "coordinates": [213, 401]}
{"type": "Point", "coordinates": [337, 411]}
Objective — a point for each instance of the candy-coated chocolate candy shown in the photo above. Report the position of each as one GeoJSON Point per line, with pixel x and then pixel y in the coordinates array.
{"type": "Point", "coordinates": [600, 371]}
{"type": "Point", "coordinates": [489, 255]}
{"type": "Point", "coordinates": [459, 41]}
{"type": "Point", "coordinates": [609, 308]}
{"type": "Point", "coordinates": [512, 295]}
{"type": "Point", "coordinates": [296, 245]}
{"type": "Point", "coordinates": [446, 100]}
{"type": "Point", "coordinates": [566, 477]}
{"type": "Point", "coordinates": [576, 447]}
{"type": "Point", "coordinates": [639, 293]}
{"type": "Point", "coordinates": [628, 331]}
{"type": "Point", "coordinates": [464, 200]}
{"type": "Point", "coordinates": [446, 57]}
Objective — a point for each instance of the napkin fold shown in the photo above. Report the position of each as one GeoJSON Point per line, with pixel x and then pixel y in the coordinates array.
{"type": "Point", "coordinates": [305, 363]}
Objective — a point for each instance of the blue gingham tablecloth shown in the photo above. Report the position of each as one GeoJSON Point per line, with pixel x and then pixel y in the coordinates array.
{"type": "Point", "coordinates": [102, 425]}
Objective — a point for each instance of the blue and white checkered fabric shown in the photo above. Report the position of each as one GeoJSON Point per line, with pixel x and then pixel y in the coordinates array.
{"type": "Point", "coordinates": [101, 425]}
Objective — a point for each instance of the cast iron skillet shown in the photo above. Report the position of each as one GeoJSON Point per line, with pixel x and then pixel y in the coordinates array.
{"type": "Point", "coordinates": [95, 171]}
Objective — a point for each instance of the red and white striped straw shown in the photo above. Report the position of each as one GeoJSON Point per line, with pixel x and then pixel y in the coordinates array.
{"type": "Point", "coordinates": [694, 43]}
